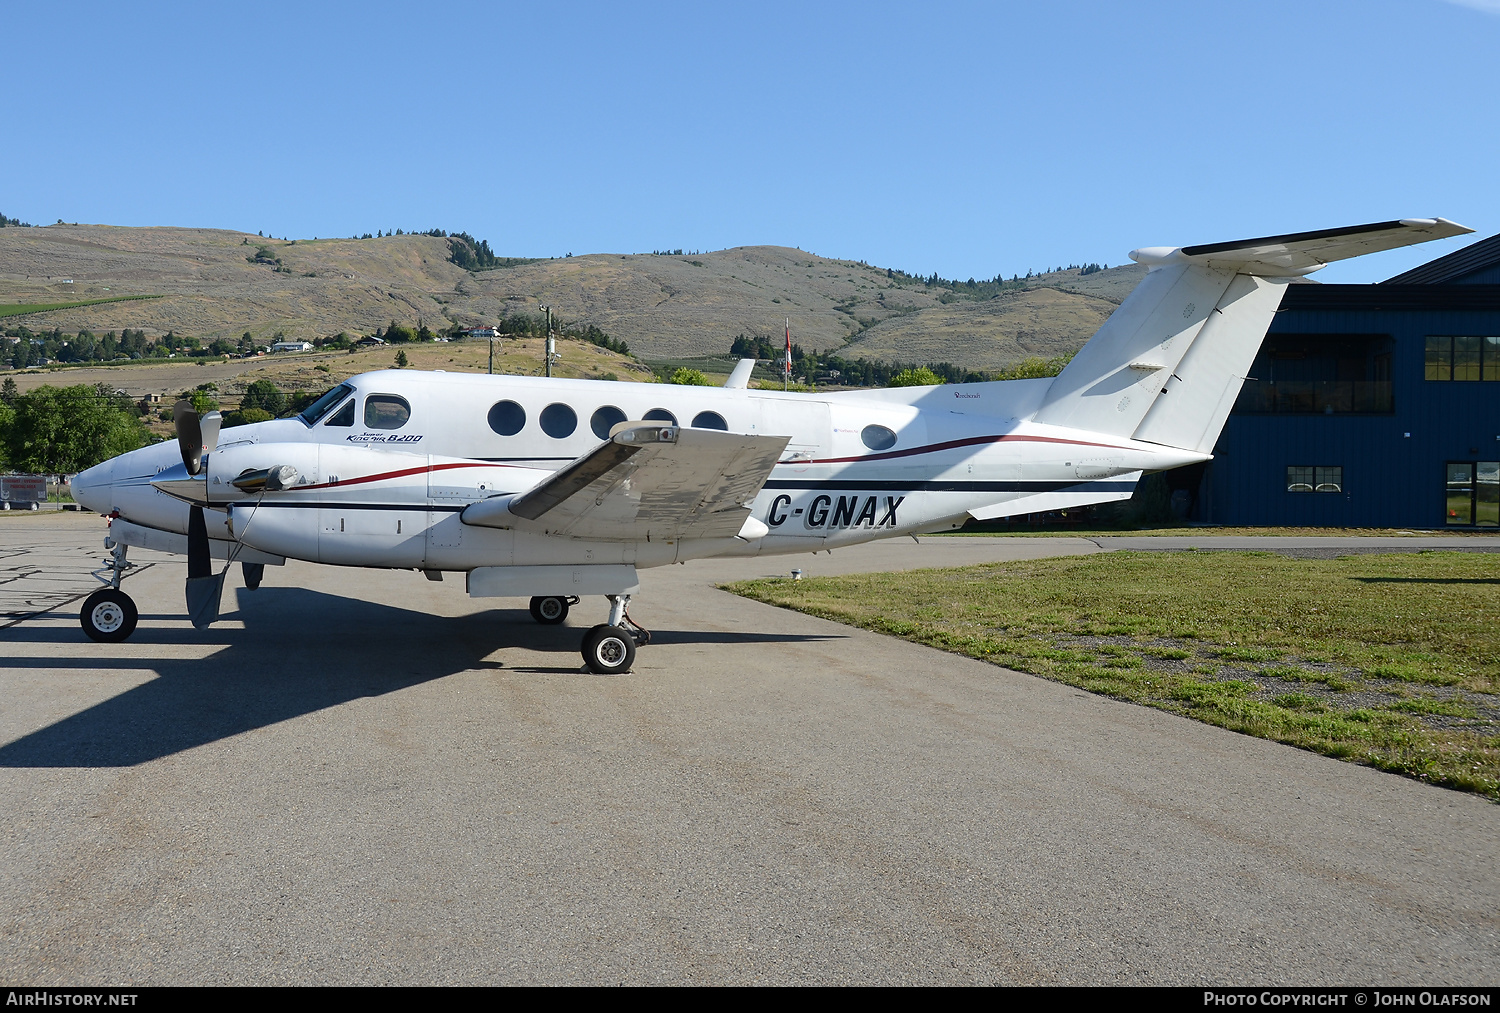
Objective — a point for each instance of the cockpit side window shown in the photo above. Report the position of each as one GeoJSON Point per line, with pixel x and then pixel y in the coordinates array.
{"type": "Point", "coordinates": [323, 405]}
{"type": "Point", "coordinates": [344, 416]}
{"type": "Point", "coordinates": [386, 411]}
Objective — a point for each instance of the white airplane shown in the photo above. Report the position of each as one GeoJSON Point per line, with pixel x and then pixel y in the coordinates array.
{"type": "Point", "coordinates": [553, 489]}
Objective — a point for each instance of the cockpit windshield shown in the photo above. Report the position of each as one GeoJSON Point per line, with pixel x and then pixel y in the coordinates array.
{"type": "Point", "coordinates": [323, 405]}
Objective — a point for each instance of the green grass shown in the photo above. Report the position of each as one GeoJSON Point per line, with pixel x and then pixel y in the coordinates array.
{"type": "Point", "coordinates": [1184, 529]}
{"type": "Point", "coordinates": [21, 309]}
{"type": "Point", "coordinates": [1218, 636]}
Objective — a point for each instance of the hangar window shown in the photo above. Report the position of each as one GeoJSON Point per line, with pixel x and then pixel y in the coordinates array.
{"type": "Point", "coordinates": [507, 418]}
{"type": "Point", "coordinates": [559, 421]}
{"type": "Point", "coordinates": [344, 416]}
{"type": "Point", "coordinates": [710, 420]}
{"type": "Point", "coordinates": [323, 405]}
{"type": "Point", "coordinates": [877, 437]}
{"type": "Point", "coordinates": [660, 415]}
{"type": "Point", "coordinates": [1462, 357]}
{"type": "Point", "coordinates": [386, 411]}
{"type": "Point", "coordinates": [604, 420]}
{"type": "Point", "coordinates": [1472, 494]}
{"type": "Point", "coordinates": [1320, 374]}
{"type": "Point", "coordinates": [1314, 478]}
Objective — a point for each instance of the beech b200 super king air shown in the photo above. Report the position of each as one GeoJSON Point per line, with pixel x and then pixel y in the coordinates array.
{"type": "Point", "coordinates": [552, 489]}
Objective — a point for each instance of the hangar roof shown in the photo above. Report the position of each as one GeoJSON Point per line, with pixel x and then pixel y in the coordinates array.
{"type": "Point", "coordinates": [1476, 264]}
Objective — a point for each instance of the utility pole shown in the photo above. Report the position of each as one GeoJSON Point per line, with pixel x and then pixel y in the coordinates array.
{"type": "Point", "coordinates": [551, 349]}
{"type": "Point", "coordinates": [492, 350]}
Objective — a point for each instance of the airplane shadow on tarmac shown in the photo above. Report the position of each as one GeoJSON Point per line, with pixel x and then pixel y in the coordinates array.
{"type": "Point", "coordinates": [300, 651]}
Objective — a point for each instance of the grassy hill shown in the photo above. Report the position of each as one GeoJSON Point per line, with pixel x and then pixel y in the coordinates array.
{"type": "Point", "coordinates": [664, 306]}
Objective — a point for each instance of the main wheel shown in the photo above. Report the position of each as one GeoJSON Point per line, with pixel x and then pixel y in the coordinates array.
{"type": "Point", "coordinates": [108, 616]}
{"type": "Point", "coordinates": [608, 650]}
{"type": "Point", "coordinates": [254, 572]}
{"type": "Point", "coordinates": [549, 611]}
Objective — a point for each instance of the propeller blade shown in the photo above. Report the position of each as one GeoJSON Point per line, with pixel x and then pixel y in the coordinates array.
{"type": "Point", "coordinates": [204, 588]}
{"type": "Point", "coordinates": [208, 425]}
{"type": "Point", "coordinates": [203, 594]}
{"type": "Point", "coordinates": [199, 562]}
{"type": "Point", "coordinates": [189, 435]}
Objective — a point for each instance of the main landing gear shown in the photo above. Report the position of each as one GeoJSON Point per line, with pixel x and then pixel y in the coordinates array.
{"type": "Point", "coordinates": [552, 609]}
{"type": "Point", "coordinates": [608, 649]}
{"type": "Point", "coordinates": [109, 616]}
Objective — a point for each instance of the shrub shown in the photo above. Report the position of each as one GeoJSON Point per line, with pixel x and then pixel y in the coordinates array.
{"type": "Point", "coordinates": [920, 376]}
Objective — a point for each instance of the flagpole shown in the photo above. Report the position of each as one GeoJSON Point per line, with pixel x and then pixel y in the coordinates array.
{"type": "Point", "coordinates": [786, 379]}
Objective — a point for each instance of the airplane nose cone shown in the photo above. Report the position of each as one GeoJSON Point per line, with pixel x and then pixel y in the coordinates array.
{"type": "Point", "coordinates": [91, 487]}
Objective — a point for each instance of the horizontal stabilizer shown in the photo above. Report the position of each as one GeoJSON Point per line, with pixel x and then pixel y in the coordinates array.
{"type": "Point", "coordinates": [1302, 253]}
{"type": "Point", "coordinates": [1167, 365]}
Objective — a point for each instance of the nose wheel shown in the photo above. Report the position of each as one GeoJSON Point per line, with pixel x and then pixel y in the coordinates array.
{"type": "Point", "coordinates": [108, 615]}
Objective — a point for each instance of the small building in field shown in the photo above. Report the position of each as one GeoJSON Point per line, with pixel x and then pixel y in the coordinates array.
{"type": "Point", "coordinates": [292, 346]}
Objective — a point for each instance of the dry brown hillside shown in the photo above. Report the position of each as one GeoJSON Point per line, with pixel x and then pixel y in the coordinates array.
{"type": "Point", "coordinates": [664, 306]}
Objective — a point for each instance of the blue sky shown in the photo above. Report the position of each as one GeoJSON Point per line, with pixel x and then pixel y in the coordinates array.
{"type": "Point", "coordinates": [967, 139]}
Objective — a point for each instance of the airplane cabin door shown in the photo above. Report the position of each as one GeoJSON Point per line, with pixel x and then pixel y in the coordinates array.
{"type": "Point", "coordinates": [807, 422]}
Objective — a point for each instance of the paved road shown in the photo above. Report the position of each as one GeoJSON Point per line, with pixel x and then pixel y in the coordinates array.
{"type": "Point", "coordinates": [412, 787]}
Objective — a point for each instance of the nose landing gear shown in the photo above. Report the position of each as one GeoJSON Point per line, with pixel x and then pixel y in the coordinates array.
{"type": "Point", "coordinates": [108, 615]}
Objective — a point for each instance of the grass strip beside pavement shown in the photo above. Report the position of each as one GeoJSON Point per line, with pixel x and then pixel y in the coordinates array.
{"type": "Point", "coordinates": [1202, 531]}
{"type": "Point", "coordinates": [22, 309]}
{"type": "Point", "coordinates": [1387, 660]}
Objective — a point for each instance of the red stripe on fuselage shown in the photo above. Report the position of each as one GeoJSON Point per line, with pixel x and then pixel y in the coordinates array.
{"type": "Point", "coordinates": [383, 476]}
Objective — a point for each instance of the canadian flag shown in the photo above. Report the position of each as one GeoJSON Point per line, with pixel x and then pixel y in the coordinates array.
{"type": "Point", "coordinates": [788, 365]}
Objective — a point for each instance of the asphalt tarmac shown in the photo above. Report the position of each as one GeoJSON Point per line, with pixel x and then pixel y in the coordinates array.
{"type": "Point", "coordinates": [364, 777]}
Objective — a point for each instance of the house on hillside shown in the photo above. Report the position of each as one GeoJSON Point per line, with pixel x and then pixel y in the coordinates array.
{"type": "Point", "coordinates": [292, 346]}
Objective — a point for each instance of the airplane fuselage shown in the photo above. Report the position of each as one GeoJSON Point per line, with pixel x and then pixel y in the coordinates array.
{"type": "Point", "coordinates": [388, 466]}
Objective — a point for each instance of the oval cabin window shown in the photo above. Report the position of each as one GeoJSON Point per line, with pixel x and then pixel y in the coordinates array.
{"type": "Point", "coordinates": [878, 437]}
{"type": "Point", "coordinates": [386, 411]}
{"type": "Point", "coordinates": [604, 420]}
{"type": "Point", "coordinates": [507, 418]}
{"type": "Point", "coordinates": [660, 415]}
{"type": "Point", "coordinates": [558, 421]}
{"type": "Point", "coordinates": [710, 420]}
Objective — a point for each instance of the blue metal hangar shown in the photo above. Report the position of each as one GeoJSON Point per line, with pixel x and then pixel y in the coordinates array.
{"type": "Point", "coordinates": [1369, 406]}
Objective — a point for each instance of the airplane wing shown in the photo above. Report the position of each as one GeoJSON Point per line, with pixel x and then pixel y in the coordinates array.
{"type": "Point", "coordinates": [645, 482]}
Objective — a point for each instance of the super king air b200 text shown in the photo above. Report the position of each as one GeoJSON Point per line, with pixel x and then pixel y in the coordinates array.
{"type": "Point", "coordinates": [555, 489]}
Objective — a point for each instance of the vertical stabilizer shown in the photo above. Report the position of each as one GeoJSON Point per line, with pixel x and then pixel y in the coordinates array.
{"type": "Point", "coordinates": [1167, 365]}
{"type": "Point", "coordinates": [1196, 399]}
{"type": "Point", "coordinates": [1113, 380]}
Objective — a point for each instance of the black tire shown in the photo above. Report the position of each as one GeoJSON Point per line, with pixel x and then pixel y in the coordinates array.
{"type": "Point", "coordinates": [549, 610]}
{"type": "Point", "coordinates": [253, 573]}
{"type": "Point", "coordinates": [608, 650]}
{"type": "Point", "coordinates": [108, 616]}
